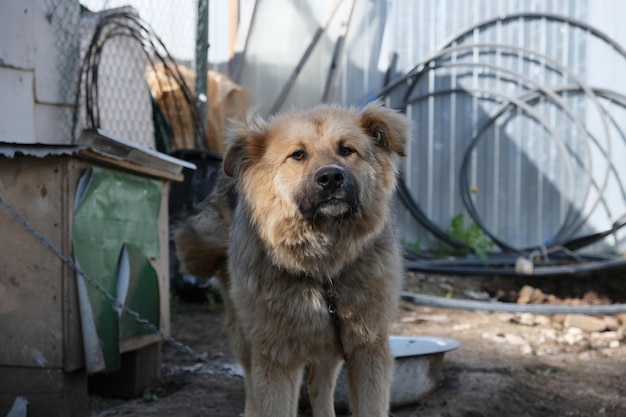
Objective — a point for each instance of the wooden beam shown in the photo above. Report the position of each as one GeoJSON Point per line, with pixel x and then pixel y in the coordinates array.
{"type": "Point", "coordinates": [248, 11]}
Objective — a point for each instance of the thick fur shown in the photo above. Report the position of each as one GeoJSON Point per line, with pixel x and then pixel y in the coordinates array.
{"type": "Point", "coordinates": [312, 212]}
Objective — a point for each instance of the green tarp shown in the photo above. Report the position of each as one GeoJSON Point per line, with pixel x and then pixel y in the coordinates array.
{"type": "Point", "coordinates": [115, 233]}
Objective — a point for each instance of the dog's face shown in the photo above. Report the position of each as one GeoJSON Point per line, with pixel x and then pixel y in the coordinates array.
{"type": "Point", "coordinates": [311, 171]}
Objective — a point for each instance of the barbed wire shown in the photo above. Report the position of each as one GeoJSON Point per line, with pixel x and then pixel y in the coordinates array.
{"type": "Point", "coordinates": [134, 88]}
{"type": "Point", "coordinates": [180, 110]}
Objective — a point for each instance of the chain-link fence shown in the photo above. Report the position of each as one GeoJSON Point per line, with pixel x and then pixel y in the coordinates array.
{"type": "Point", "coordinates": [131, 70]}
{"type": "Point", "coordinates": [63, 17]}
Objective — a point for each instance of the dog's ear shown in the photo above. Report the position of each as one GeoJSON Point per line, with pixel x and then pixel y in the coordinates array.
{"type": "Point", "coordinates": [245, 144]}
{"type": "Point", "coordinates": [390, 129]}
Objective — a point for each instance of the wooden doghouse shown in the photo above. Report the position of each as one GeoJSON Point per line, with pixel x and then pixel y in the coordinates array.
{"type": "Point", "coordinates": [42, 355]}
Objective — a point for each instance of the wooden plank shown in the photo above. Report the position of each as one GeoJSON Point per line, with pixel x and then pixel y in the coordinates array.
{"type": "Point", "coordinates": [138, 342]}
{"type": "Point", "coordinates": [129, 166]}
{"type": "Point", "coordinates": [137, 374]}
{"type": "Point", "coordinates": [31, 299]}
{"type": "Point", "coordinates": [248, 11]}
{"type": "Point", "coordinates": [163, 268]}
{"type": "Point", "coordinates": [233, 23]}
{"type": "Point", "coordinates": [101, 145]}
{"type": "Point", "coordinates": [73, 352]}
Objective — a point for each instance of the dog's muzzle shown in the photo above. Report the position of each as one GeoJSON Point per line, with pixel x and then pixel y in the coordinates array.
{"type": "Point", "coordinates": [331, 193]}
{"type": "Point", "coordinates": [330, 178]}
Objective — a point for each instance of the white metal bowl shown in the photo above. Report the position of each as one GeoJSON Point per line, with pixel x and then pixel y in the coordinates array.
{"type": "Point", "coordinates": [418, 361]}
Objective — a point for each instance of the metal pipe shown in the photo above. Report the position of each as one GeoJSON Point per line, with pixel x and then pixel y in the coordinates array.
{"type": "Point", "coordinates": [202, 52]}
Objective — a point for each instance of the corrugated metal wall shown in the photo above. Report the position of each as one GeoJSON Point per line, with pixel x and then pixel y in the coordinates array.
{"type": "Point", "coordinates": [548, 167]}
{"type": "Point", "coordinates": [280, 35]}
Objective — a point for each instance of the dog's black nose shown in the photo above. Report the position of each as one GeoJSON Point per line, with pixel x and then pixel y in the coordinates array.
{"type": "Point", "coordinates": [330, 178]}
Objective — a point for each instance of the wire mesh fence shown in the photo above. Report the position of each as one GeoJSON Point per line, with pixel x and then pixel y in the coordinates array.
{"type": "Point", "coordinates": [131, 71]}
{"type": "Point", "coordinates": [63, 17]}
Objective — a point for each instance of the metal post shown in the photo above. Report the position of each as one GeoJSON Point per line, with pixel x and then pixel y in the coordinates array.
{"type": "Point", "coordinates": [202, 51]}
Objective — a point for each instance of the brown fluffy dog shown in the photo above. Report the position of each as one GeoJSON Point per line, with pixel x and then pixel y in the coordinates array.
{"type": "Point", "coordinates": [302, 238]}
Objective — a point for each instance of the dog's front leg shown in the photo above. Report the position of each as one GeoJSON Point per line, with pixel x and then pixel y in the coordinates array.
{"type": "Point", "coordinates": [275, 387]}
{"type": "Point", "coordinates": [370, 368]}
{"type": "Point", "coordinates": [250, 407]}
{"type": "Point", "coordinates": [321, 385]}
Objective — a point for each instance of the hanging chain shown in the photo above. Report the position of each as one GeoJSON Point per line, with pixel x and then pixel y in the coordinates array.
{"type": "Point", "coordinates": [115, 304]}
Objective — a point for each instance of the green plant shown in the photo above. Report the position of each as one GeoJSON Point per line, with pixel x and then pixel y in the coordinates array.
{"type": "Point", "coordinates": [151, 396]}
{"type": "Point", "coordinates": [414, 246]}
{"type": "Point", "coordinates": [469, 233]}
{"type": "Point", "coordinates": [472, 235]}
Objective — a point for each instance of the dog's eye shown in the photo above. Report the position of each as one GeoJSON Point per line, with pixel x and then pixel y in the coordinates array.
{"type": "Point", "coordinates": [298, 155]}
{"type": "Point", "coordinates": [346, 151]}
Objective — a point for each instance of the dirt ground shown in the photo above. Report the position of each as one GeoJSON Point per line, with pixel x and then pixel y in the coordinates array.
{"type": "Point", "coordinates": [508, 364]}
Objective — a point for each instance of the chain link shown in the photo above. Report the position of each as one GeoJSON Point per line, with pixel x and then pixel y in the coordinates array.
{"type": "Point", "coordinates": [115, 304]}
